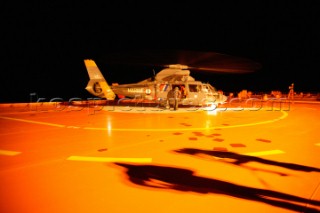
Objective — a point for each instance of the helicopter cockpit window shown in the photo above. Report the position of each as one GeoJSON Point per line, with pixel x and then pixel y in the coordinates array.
{"type": "Point", "coordinates": [205, 88]}
{"type": "Point", "coordinates": [211, 88]}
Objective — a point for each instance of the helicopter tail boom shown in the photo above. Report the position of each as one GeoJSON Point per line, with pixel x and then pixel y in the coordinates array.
{"type": "Point", "coordinates": [97, 84]}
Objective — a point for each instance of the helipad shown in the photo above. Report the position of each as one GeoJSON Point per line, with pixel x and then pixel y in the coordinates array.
{"type": "Point", "coordinates": [151, 160]}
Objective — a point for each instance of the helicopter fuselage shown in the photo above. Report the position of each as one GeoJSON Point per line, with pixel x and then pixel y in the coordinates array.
{"type": "Point", "coordinates": [192, 93]}
{"type": "Point", "coordinates": [158, 88]}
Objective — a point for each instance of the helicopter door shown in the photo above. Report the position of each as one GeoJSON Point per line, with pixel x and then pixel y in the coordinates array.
{"type": "Point", "coordinates": [195, 94]}
{"type": "Point", "coordinates": [182, 89]}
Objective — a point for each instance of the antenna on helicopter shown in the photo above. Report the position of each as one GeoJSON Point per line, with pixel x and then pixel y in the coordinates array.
{"type": "Point", "coordinates": [154, 75]}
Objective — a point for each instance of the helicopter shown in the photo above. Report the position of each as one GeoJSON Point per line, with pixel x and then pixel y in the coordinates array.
{"type": "Point", "coordinates": [159, 88]}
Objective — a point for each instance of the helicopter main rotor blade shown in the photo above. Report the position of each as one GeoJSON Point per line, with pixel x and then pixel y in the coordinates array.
{"type": "Point", "coordinates": [195, 60]}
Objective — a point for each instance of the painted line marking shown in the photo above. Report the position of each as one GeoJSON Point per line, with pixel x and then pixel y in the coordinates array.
{"type": "Point", "coordinates": [73, 127]}
{"type": "Point", "coordinates": [283, 116]}
{"type": "Point", "coordinates": [33, 122]}
{"type": "Point", "coordinates": [317, 144]}
{"type": "Point", "coordinates": [270, 152]}
{"type": "Point", "coordinates": [103, 159]}
{"type": "Point", "coordinates": [9, 153]}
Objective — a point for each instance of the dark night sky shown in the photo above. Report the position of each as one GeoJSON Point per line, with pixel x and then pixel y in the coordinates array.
{"type": "Point", "coordinates": [43, 46]}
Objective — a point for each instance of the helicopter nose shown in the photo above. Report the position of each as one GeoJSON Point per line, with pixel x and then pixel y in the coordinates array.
{"type": "Point", "coordinates": [222, 98]}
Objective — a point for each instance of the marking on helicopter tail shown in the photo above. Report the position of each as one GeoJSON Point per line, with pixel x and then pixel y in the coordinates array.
{"type": "Point", "coordinates": [9, 153]}
{"type": "Point", "coordinates": [103, 159]}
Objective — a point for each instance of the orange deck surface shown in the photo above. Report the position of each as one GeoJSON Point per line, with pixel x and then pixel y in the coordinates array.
{"type": "Point", "coordinates": [126, 159]}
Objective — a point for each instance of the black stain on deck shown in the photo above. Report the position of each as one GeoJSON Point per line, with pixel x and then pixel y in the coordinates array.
{"type": "Point", "coordinates": [177, 133]}
{"type": "Point", "coordinates": [263, 140]}
{"type": "Point", "coordinates": [198, 134]}
{"type": "Point", "coordinates": [185, 124]}
{"type": "Point", "coordinates": [193, 138]}
{"type": "Point", "coordinates": [237, 145]}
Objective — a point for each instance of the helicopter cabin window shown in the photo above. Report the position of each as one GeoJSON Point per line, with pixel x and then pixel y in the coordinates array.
{"type": "Point", "coordinates": [194, 88]}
